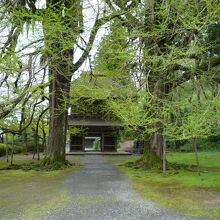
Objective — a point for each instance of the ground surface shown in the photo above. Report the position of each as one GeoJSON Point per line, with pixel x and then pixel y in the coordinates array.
{"type": "Point", "coordinates": [26, 194]}
{"type": "Point", "coordinates": [183, 189]}
{"type": "Point", "coordinates": [98, 191]}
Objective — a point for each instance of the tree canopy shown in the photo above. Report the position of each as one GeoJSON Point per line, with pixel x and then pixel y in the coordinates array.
{"type": "Point", "coordinates": [162, 58]}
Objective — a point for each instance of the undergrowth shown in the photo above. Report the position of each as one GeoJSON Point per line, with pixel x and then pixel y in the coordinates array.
{"type": "Point", "coordinates": [46, 164]}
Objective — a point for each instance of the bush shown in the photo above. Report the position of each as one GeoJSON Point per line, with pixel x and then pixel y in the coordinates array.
{"type": "Point", "coordinates": [49, 163]}
{"type": "Point", "coordinates": [17, 149]}
{"type": "Point", "coordinates": [187, 147]}
{"type": "Point", "coordinates": [210, 144]}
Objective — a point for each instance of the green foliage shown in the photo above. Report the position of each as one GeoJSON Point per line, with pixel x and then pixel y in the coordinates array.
{"type": "Point", "coordinates": [93, 95]}
{"type": "Point", "coordinates": [134, 112]}
{"type": "Point", "coordinates": [207, 159]}
{"type": "Point", "coordinates": [169, 59]}
{"type": "Point", "coordinates": [157, 46]}
{"type": "Point", "coordinates": [54, 163]}
{"type": "Point", "coordinates": [46, 164]}
{"type": "Point", "coordinates": [114, 55]}
{"type": "Point", "coordinates": [95, 86]}
{"type": "Point", "coordinates": [206, 145]}
{"type": "Point", "coordinates": [212, 40]}
{"type": "Point", "coordinates": [75, 131]}
{"type": "Point", "coordinates": [191, 114]}
{"type": "Point", "coordinates": [17, 149]}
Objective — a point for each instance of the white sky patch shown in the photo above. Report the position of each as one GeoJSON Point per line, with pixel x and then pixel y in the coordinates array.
{"type": "Point", "coordinates": [40, 4]}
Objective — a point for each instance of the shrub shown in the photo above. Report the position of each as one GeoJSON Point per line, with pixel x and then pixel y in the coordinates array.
{"type": "Point", "coordinates": [17, 149]}
{"type": "Point", "coordinates": [49, 163]}
{"type": "Point", "coordinates": [209, 144]}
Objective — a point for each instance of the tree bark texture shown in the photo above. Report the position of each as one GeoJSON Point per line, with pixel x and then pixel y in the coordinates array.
{"type": "Point", "coordinates": [149, 159]}
{"type": "Point", "coordinates": [60, 63]}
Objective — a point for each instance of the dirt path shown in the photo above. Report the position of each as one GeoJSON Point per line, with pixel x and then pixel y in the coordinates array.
{"type": "Point", "coordinates": [98, 191]}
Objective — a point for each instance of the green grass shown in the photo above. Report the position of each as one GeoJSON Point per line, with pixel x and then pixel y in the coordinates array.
{"type": "Point", "coordinates": [30, 194]}
{"type": "Point", "coordinates": [181, 190]}
{"type": "Point", "coordinates": [206, 159]}
{"type": "Point", "coordinates": [4, 164]}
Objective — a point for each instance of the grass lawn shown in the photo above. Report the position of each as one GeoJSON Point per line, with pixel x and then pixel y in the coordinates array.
{"type": "Point", "coordinates": [206, 159]}
{"type": "Point", "coordinates": [28, 194]}
{"type": "Point", "coordinates": [182, 190]}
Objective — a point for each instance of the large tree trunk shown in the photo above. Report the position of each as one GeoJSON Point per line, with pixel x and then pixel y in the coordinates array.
{"type": "Point", "coordinates": [60, 62]}
{"type": "Point", "coordinates": [161, 89]}
{"type": "Point", "coordinates": [62, 24]}
{"type": "Point", "coordinates": [155, 140]}
{"type": "Point", "coordinates": [156, 86]}
{"type": "Point", "coordinates": [150, 159]}
{"type": "Point", "coordinates": [59, 95]}
{"type": "Point", "coordinates": [57, 118]}
{"type": "Point", "coordinates": [153, 148]}
{"type": "Point", "coordinates": [156, 144]}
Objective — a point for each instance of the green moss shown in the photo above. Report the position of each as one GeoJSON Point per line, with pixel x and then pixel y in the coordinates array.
{"type": "Point", "coordinates": [37, 209]}
{"type": "Point", "coordinates": [31, 193]}
{"type": "Point", "coordinates": [149, 160]}
{"type": "Point", "coordinates": [55, 163]}
{"type": "Point", "coordinates": [4, 164]}
{"type": "Point", "coordinates": [47, 164]}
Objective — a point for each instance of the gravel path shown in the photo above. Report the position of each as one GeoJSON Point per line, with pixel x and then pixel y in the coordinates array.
{"type": "Point", "coordinates": [99, 191]}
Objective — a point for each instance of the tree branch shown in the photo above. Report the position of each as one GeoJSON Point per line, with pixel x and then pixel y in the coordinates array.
{"type": "Point", "coordinates": [6, 109]}
{"type": "Point", "coordinates": [98, 23]}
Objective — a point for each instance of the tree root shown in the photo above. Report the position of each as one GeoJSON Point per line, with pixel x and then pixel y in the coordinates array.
{"type": "Point", "coordinates": [55, 163]}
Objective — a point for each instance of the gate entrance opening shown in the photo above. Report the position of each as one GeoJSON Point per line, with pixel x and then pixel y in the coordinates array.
{"type": "Point", "coordinates": [96, 142]}
{"type": "Point", "coordinates": [92, 143]}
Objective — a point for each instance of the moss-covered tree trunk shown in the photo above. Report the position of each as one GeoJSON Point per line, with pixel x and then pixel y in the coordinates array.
{"type": "Point", "coordinates": [61, 28]}
{"type": "Point", "coordinates": [156, 86]}
{"type": "Point", "coordinates": [157, 139]}
{"type": "Point", "coordinates": [149, 159]}
{"type": "Point", "coordinates": [58, 98]}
